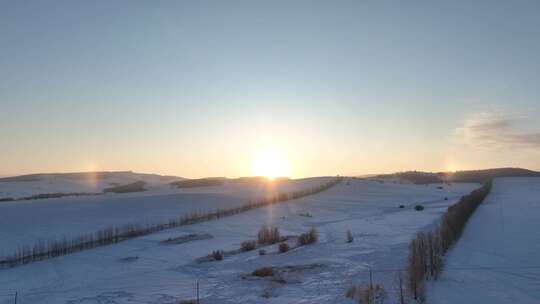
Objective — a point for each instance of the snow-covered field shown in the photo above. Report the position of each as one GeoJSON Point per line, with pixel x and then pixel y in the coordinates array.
{"type": "Point", "coordinates": [26, 222]}
{"type": "Point", "coordinates": [143, 270]}
{"type": "Point", "coordinates": [497, 260]}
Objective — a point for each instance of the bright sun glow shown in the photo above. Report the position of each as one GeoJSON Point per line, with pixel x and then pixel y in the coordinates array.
{"type": "Point", "coordinates": [271, 165]}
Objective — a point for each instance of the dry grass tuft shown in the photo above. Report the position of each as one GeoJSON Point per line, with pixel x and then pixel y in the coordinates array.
{"type": "Point", "coordinates": [248, 245]}
{"type": "Point", "coordinates": [309, 237]}
{"type": "Point", "coordinates": [268, 235]}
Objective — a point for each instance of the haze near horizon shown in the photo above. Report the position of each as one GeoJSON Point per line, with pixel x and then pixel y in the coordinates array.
{"type": "Point", "coordinates": [241, 88]}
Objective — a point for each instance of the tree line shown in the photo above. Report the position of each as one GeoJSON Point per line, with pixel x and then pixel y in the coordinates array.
{"type": "Point", "coordinates": [426, 251]}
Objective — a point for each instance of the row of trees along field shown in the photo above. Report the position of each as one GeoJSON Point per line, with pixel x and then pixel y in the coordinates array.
{"type": "Point", "coordinates": [53, 248]}
{"type": "Point", "coordinates": [426, 251]}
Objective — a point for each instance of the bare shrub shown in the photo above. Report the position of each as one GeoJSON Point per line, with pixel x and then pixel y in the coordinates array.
{"type": "Point", "coordinates": [268, 235]}
{"type": "Point", "coordinates": [351, 292]}
{"type": "Point", "coordinates": [418, 207]}
{"type": "Point", "coordinates": [415, 270]}
{"type": "Point", "coordinates": [367, 294]}
{"type": "Point", "coordinates": [217, 255]}
{"type": "Point", "coordinates": [248, 245]}
{"type": "Point", "coordinates": [308, 237]}
{"type": "Point", "coordinates": [283, 247]}
{"type": "Point", "coordinates": [350, 237]}
{"type": "Point", "coordinates": [263, 272]}
{"type": "Point", "coordinates": [435, 262]}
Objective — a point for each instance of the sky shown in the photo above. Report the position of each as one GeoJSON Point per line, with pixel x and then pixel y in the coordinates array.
{"type": "Point", "coordinates": [204, 88]}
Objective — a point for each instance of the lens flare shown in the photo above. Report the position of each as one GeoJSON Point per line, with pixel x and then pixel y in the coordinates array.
{"type": "Point", "coordinates": [270, 164]}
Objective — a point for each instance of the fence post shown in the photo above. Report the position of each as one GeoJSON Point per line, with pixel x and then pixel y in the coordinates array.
{"type": "Point", "coordinates": [400, 278]}
{"type": "Point", "coordinates": [197, 291]}
{"type": "Point", "coordinates": [371, 292]}
{"type": "Point", "coordinates": [370, 279]}
{"type": "Point", "coordinates": [16, 294]}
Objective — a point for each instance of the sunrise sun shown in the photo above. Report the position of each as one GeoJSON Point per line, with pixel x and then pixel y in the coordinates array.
{"type": "Point", "coordinates": [270, 164]}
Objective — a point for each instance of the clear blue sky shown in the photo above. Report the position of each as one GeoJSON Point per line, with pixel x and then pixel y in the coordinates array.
{"type": "Point", "coordinates": [199, 88]}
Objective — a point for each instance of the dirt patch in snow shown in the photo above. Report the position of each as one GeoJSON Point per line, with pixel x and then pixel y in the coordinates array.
{"type": "Point", "coordinates": [129, 259]}
{"type": "Point", "coordinates": [186, 238]}
{"type": "Point", "coordinates": [282, 274]}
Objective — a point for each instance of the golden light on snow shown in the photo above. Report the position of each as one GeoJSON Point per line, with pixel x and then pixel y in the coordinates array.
{"type": "Point", "coordinates": [270, 164]}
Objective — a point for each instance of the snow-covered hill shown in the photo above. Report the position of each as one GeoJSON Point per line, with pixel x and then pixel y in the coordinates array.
{"type": "Point", "coordinates": [146, 270]}
{"type": "Point", "coordinates": [28, 221]}
{"type": "Point", "coordinates": [83, 182]}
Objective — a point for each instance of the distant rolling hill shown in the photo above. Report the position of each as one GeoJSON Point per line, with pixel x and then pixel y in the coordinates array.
{"type": "Point", "coordinates": [49, 185]}
{"type": "Point", "coordinates": [468, 176]}
{"type": "Point", "coordinates": [86, 176]}
{"type": "Point", "coordinates": [219, 181]}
